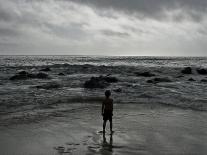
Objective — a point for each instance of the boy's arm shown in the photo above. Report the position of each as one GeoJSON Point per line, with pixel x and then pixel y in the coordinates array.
{"type": "Point", "coordinates": [102, 110]}
{"type": "Point", "coordinates": [112, 106]}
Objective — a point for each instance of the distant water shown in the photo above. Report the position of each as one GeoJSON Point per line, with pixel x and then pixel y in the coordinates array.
{"type": "Point", "coordinates": [21, 98]}
{"type": "Point", "coordinates": [103, 60]}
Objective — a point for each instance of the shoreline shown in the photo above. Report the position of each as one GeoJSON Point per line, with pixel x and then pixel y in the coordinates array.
{"type": "Point", "coordinates": [139, 129]}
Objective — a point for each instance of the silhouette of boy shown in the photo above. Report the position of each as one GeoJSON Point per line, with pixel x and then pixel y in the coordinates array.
{"type": "Point", "coordinates": [107, 110]}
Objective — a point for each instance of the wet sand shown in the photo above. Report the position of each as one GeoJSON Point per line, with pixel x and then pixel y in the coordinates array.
{"type": "Point", "coordinates": [139, 129]}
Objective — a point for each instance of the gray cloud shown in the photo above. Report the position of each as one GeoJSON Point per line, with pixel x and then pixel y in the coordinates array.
{"type": "Point", "coordinates": [73, 30]}
{"type": "Point", "coordinates": [4, 15]}
{"type": "Point", "coordinates": [151, 27]}
{"type": "Point", "coordinates": [156, 9]}
{"type": "Point", "coordinates": [8, 32]}
{"type": "Point", "coordinates": [114, 33]}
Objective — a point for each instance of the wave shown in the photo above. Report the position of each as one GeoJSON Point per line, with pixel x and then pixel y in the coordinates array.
{"type": "Point", "coordinates": [134, 87]}
{"type": "Point", "coordinates": [13, 61]}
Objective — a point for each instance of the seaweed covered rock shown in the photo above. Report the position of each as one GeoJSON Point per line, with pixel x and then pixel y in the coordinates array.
{"type": "Point", "coordinates": [47, 69]}
{"type": "Point", "coordinates": [100, 82]}
{"type": "Point", "coordinates": [145, 74]}
{"type": "Point", "coordinates": [158, 80]}
{"type": "Point", "coordinates": [96, 82]}
{"type": "Point", "coordinates": [42, 76]}
{"type": "Point", "coordinates": [179, 76]}
{"type": "Point", "coordinates": [191, 79]}
{"type": "Point", "coordinates": [61, 74]}
{"type": "Point", "coordinates": [23, 75]}
{"type": "Point", "coordinates": [18, 77]}
{"type": "Point", "coordinates": [202, 71]}
{"type": "Point", "coordinates": [204, 80]}
{"type": "Point", "coordinates": [109, 79]}
{"type": "Point", "coordinates": [187, 70]}
{"type": "Point", "coordinates": [118, 90]}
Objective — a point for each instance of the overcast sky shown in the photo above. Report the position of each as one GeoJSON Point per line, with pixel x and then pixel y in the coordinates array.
{"type": "Point", "coordinates": [104, 27]}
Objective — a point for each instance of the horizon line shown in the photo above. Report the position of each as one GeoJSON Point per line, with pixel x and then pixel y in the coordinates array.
{"type": "Point", "coordinates": [101, 55]}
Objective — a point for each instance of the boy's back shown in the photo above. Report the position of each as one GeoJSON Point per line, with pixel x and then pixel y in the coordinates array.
{"type": "Point", "coordinates": [108, 104]}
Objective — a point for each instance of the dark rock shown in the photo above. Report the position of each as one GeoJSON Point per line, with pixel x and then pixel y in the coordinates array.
{"type": "Point", "coordinates": [204, 80]}
{"type": "Point", "coordinates": [191, 79]}
{"type": "Point", "coordinates": [100, 82]}
{"type": "Point", "coordinates": [19, 77]}
{"type": "Point", "coordinates": [87, 66]}
{"type": "Point", "coordinates": [179, 76]}
{"type": "Point", "coordinates": [162, 80]}
{"type": "Point", "coordinates": [96, 82]}
{"type": "Point", "coordinates": [23, 75]}
{"type": "Point", "coordinates": [157, 80]}
{"type": "Point", "coordinates": [118, 90]}
{"type": "Point", "coordinates": [202, 71]}
{"type": "Point", "coordinates": [50, 85]}
{"type": "Point", "coordinates": [150, 81]}
{"type": "Point", "coordinates": [109, 79]}
{"type": "Point", "coordinates": [187, 70]}
{"type": "Point", "coordinates": [47, 69]}
{"type": "Point", "coordinates": [61, 74]}
{"type": "Point", "coordinates": [42, 76]}
{"type": "Point", "coordinates": [145, 74]}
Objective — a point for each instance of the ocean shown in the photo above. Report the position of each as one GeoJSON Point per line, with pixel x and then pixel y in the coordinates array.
{"type": "Point", "coordinates": [39, 97]}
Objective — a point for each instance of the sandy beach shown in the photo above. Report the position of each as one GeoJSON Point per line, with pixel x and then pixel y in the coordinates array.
{"type": "Point", "coordinates": [139, 129]}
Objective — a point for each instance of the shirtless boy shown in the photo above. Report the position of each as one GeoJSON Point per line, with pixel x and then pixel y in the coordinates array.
{"type": "Point", "coordinates": [107, 110]}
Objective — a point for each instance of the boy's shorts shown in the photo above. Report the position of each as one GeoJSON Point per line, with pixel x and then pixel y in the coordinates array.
{"type": "Point", "coordinates": [107, 115]}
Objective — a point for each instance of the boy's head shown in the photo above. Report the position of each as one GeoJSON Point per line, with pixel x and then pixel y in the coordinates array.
{"type": "Point", "coordinates": [107, 93]}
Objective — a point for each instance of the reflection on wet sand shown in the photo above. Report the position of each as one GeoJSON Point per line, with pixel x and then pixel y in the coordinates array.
{"type": "Point", "coordinates": [107, 146]}
{"type": "Point", "coordinates": [139, 129]}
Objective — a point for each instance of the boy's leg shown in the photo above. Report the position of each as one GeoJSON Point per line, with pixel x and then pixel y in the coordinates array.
{"type": "Point", "coordinates": [104, 126]}
{"type": "Point", "coordinates": [111, 125]}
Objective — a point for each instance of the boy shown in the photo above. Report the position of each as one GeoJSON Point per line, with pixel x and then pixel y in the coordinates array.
{"type": "Point", "coordinates": [107, 110]}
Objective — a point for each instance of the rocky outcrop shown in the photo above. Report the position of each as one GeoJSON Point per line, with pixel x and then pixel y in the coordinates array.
{"type": "Point", "coordinates": [41, 76]}
{"type": "Point", "coordinates": [191, 79]}
{"type": "Point", "coordinates": [47, 69]}
{"type": "Point", "coordinates": [145, 74]}
{"type": "Point", "coordinates": [118, 90]}
{"type": "Point", "coordinates": [202, 71]}
{"type": "Point", "coordinates": [23, 75]}
{"type": "Point", "coordinates": [204, 80]}
{"type": "Point", "coordinates": [109, 79]}
{"type": "Point", "coordinates": [187, 70]}
{"type": "Point", "coordinates": [96, 82]}
{"type": "Point", "coordinates": [61, 74]}
{"type": "Point", "coordinates": [180, 76]}
{"type": "Point", "coordinates": [158, 80]}
{"type": "Point", "coordinates": [100, 82]}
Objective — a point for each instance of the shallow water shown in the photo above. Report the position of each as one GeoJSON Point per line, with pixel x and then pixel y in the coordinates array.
{"type": "Point", "coordinates": [21, 95]}
{"type": "Point", "coordinates": [139, 129]}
